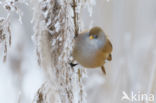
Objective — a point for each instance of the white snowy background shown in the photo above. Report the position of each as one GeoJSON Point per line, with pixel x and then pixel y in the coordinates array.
{"type": "Point", "coordinates": [130, 25]}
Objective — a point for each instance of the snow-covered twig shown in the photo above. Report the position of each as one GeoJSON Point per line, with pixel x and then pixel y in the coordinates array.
{"type": "Point", "coordinates": [5, 31]}
{"type": "Point", "coordinates": [5, 36]}
{"type": "Point", "coordinates": [54, 33]}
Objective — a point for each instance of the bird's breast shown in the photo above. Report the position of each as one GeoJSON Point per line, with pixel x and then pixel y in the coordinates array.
{"type": "Point", "coordinates": [89, 55]}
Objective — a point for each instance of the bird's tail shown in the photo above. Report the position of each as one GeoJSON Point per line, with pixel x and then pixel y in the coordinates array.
{"type": "Point", "coordinates": [103, 69]}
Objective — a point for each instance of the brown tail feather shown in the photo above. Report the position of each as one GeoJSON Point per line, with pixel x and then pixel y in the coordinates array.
{"type": "Point", "coordinates": [103, 69]}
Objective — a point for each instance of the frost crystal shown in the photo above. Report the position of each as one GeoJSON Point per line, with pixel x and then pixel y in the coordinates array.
{"type": "Point", "coordinates": [57, 26]}
{"type": "Point", "coordinates": [10, 6]}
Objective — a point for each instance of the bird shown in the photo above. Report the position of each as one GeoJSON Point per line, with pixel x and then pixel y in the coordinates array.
{"type": "Point", "coordinates": [92, 48]}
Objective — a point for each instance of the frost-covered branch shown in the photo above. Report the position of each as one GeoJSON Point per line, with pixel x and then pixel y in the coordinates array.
{"type": "Point", "coordinates": [5, 31]}
{"type": "Point", "coordinates": [75, 17]}
{"type": "Point", "coordinates": [5, 36]}
{"type": "Point", "coordinates": [54, 34]}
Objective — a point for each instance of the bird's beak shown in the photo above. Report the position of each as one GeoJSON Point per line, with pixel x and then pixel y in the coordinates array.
{"type": "Point", "coordinates": [91, 37]}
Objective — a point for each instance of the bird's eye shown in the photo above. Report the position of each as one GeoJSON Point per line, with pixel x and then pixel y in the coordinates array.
{"type": "Point", "coordinates": [95, 36]}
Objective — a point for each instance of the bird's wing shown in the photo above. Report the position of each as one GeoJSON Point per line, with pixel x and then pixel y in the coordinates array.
{"type": "Point", "coordinates": [109, 58]}
{"type": "Point", "coordinates": [108, 47]}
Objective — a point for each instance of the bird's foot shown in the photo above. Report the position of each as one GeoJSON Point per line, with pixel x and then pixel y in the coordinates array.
{"type": "Point", "coordinates": [72, 64]}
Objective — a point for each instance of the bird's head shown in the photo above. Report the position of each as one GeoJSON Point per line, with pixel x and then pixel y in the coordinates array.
{"type": "Point", "coordinates": [95, 33]}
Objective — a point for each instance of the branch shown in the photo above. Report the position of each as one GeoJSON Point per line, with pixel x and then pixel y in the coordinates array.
{"type": "Point", "coordinates": [75, 18]}
{"type": "Point", "coordinates": [54, 37]}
